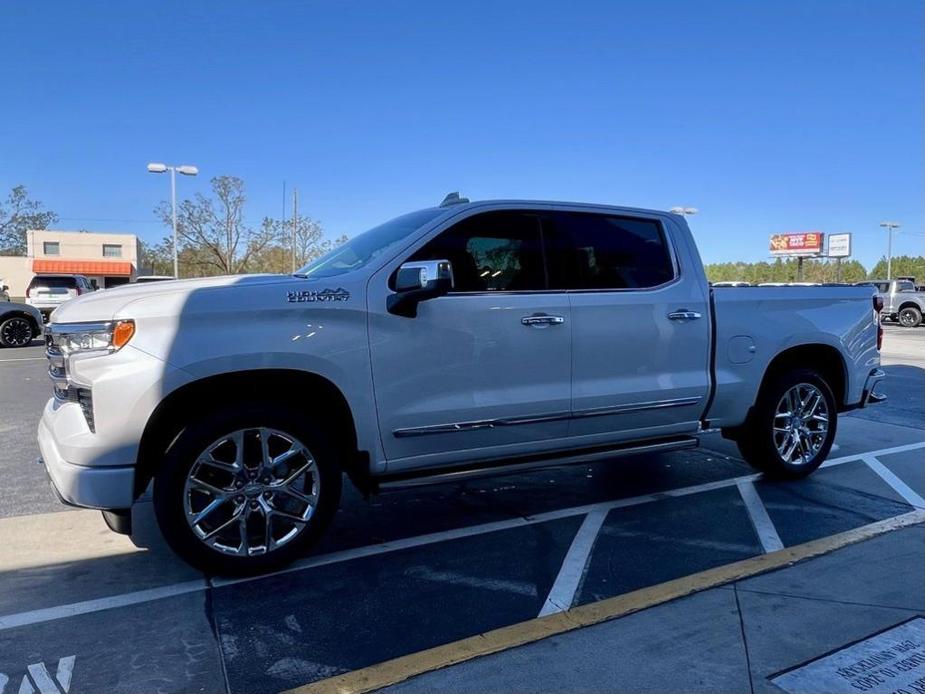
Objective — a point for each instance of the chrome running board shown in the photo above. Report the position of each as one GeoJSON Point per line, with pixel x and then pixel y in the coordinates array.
{"type": "Point", "coordinates": [511, 466]}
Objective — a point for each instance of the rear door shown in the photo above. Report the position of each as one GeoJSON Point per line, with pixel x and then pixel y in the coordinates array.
{"type": "Point", "coordinates": [640, 327]}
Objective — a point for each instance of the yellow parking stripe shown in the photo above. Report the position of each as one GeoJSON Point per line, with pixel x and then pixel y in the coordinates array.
{"type": "Point", "coordinates": [400, 669]}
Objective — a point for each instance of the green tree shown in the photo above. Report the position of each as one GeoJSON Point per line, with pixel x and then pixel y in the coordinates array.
{"type": "Point", "coordinates": [786, 270]}
{"type": "Point", "coordinates": [18, 214]}
{"type": "Point", "coordinates": [902, 266]}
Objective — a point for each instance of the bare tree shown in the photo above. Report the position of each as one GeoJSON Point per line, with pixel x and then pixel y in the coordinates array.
{"type": "Point", "coordinates": [18, 214]}
{"type": "Point", "coordinates": [213, 232]}
{"type": "Point", "coordinates": [310, 242]}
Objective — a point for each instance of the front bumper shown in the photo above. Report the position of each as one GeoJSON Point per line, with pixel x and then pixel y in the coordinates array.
{"type": "Point", "coordinates": [108, 487]}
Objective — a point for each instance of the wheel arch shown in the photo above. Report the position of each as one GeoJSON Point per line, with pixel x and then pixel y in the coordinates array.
{"type": "Point", "coordinates": [305, 391]}
{"type": "Point", "coordinates": [825, 359]}
{"type": "Point", "coordinates": [910, 304]}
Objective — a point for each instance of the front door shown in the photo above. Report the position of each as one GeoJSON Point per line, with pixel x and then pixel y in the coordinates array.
{"type": "Point", "coordinates": [484, 370]}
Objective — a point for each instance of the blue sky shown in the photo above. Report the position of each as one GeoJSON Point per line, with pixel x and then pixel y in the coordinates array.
{"type": "Point", "coordinates": [767, 116]}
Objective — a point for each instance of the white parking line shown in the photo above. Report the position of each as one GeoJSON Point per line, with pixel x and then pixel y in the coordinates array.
{"type": "Point", "coordinates": [758, 514]}
{"type": "Point", "coordinates": [25, 359]}
{"type": "Point", "coordinates": [562, 594]}
{"type": "Point", "coordinates": [84, 607]}
{"type": "Point", "coordinates": [50, 614]}
{"type": "Point", "coordinates": [888, 476]}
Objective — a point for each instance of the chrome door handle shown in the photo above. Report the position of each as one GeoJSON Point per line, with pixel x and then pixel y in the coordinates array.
{"type": "Point", "coordinates": [540, 320]}
{"type": "Point", "coordinates": [684, 314]}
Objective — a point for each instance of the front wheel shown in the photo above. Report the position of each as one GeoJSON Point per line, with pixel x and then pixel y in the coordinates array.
{"type": "Point", "coordinates": [247, 489]}
{"type": "Point", "coordinates": [792, 426]}
{"type": "Point", "coordinates": [16, 332]}
{"type": "Point", "coordinates": [910, 317]}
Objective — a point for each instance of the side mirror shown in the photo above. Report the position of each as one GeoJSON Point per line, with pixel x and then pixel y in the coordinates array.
{"type": "Point", "coordinates": [5, 288]}
{"type": "Point", "coordinates": [416, 282]}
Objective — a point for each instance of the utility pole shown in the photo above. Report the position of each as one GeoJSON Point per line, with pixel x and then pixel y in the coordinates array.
{"type": "Point", "coordinates": [889, 226]}
{"type": "Point", "coordinates": [295, 222]}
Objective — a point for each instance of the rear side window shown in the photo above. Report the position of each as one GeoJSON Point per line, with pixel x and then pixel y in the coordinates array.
{"type": "Point", "coordinates": [905, 287]}
{"type": "Point", "coordinates": [494, 251]}
{"type": "Point", "coordinates": [54, 282]}
{"type": "Point", "coordinates": [596, 251]}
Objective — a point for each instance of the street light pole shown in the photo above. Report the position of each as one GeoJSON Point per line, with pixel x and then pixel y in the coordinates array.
{"type": "Point", "coordinates": [889, 226]}
{"type": "Point", "coordinates": [173, 212]}
{"type": "Point", "coordinates": [185, 170]}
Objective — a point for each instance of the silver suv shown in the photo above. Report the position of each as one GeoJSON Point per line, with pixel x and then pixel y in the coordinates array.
{"type": "Point", "coordinates": [901, 301]}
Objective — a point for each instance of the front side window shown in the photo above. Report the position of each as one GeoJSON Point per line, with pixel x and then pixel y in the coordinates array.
{"type": "Point", "coordinates": [494, 251]}
{"type": "Point", "coordinates": [905, 286]}
{"type": "Point", "coordinates": [51, 248]}
{"type": "Point", "coordinates": [596, 251]}
{"type": "Point", "coordinates": [112, 250]}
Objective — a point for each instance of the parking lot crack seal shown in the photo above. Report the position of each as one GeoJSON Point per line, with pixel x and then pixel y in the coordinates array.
{"type": "Point", "coordinates": [748, 661]}
{"type": "Point", "coordinates": [813, 598]}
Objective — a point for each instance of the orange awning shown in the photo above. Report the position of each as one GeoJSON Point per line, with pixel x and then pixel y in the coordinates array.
{"type": "Point", "coordinates": [82, 267]}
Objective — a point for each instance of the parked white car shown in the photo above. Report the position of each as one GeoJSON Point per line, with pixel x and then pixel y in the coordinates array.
{"type": "Point", "coordinates": [464, 339]}
{"type": "Point", "coordinates": [48, 292]}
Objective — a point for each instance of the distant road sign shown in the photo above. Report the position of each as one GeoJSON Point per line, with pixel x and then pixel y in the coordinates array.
{"type": "Point", "coordinates": [801, 243]}
{"type": "Point", "coordinates": [839, 245]}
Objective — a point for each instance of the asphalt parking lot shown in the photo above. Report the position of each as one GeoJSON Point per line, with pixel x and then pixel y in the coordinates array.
{"type": "Point", "coordinates": [415, 568]}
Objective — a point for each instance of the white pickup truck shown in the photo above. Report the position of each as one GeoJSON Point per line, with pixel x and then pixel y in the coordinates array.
{"type": "Point", "coordinates": [469, 338]}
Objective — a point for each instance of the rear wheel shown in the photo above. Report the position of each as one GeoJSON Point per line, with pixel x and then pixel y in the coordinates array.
{"type": "Point", "coordinates": [247, 489]}
{"type": "Point", "coordinates": [792, 426]}
{"type": "Point", "coordinates": [910, 317]}
{"type": "Point", "coordinates": [16, 332]}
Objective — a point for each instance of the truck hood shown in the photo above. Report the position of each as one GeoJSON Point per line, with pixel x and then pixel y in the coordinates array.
{"type": "Point", "coordinates": [106, 303]}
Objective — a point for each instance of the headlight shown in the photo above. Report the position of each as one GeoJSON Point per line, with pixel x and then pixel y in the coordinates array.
{"type": "Point", "coordinates": [66, 340]}
{"type": "Point", "coordinates": [72, 338]}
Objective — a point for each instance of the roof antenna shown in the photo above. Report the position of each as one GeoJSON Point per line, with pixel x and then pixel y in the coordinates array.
{"type": "Point", "coordinates": [453, 199]}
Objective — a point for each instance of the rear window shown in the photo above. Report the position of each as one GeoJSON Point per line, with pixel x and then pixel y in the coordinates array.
{"type": "Point", "coordinates": [54, 282]}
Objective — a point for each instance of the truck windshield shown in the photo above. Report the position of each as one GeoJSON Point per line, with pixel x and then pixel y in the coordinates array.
{"type": "Point", "coordinates": [361, 249]}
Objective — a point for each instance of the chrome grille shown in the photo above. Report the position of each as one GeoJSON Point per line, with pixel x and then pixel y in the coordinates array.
{"type": "Point", "coordinates": [62, 390]}
{"type": "Point", "coordinates": [57, 369]}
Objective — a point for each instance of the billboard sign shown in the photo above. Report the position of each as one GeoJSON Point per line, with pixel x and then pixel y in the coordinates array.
{"type": "Point", "coordinates": [800, 243]}
{"type": "Point", "coordinates": [839, 245]}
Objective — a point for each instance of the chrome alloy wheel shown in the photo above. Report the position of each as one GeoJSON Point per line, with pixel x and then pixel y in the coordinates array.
{"type": "Point", "coordinates": [17, 332]}
{"type": "Point", "coordinates": [801, 424]}
{"type": "Point", "coordinates": [251, 492]}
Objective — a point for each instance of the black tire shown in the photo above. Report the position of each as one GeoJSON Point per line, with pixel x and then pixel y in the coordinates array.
{"type": "Point", "coordinates": [756, 438]}
{"type": "Point", "coordinates": [170, 495]}
{"type": "Point", "coordinates": [16, 331]}
{"type": "Point", "coordinates": [910, 317]}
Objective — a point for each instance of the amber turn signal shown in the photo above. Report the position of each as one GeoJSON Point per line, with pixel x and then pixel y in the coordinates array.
{"type": "Point", "coordinates": [122, 333]}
